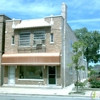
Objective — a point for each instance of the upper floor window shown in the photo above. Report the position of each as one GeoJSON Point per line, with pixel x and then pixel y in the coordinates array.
{"type": "Point", "coordinates": [12, 41]}
{"type": "Point", "coordinates": [71, 70]}
{"type": "Point", "coordinates": [51, 38]}
{"type": "Point", "coordinates": [71, 46]}
{"type": "Point", "coordinates": [24, 39]}
{"type": "Point", "coordinates": [39, 37]}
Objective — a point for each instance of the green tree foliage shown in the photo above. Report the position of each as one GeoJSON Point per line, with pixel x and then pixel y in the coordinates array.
{"type": "Point", "coordinates": [91, 41]}
{"type": "Point", "coordinates": [77, 58]}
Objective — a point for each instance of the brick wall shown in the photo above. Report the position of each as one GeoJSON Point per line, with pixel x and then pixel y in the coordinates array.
{"type": "Point", "coordinates": [2, 42]}
{"type": "Point", "coordinates": [70, 38]}
{"type": "Point", "coordinates": [55, 47]}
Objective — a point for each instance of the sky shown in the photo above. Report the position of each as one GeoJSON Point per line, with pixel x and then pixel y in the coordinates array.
{"type": "Point", "coordinates": [80, 13]}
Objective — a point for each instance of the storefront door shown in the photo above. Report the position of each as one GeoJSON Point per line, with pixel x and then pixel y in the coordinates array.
{"type": "Point", "coordinates": [11, 75]}
{"type": "Point", "coordinates": [52, 75]}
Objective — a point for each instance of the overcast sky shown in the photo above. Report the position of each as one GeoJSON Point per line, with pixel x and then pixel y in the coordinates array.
{"type": "Point", "coordinates": [80, 13]}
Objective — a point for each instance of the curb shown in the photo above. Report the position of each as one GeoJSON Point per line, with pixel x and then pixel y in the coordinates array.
{"type": "Point", "coordinates": [20, 94]}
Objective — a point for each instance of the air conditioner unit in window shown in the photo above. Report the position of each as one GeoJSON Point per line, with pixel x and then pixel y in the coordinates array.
{"type": "Point", "coordinates": [38, 42]}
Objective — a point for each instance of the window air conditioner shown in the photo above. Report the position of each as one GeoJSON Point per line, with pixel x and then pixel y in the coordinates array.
{"type": "Point", "coordinates": [38, 42]}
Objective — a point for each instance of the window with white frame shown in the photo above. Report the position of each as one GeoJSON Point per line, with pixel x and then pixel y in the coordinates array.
{"type": "Point", "coordinates": [51, 38]}
{"type": "Point", "coordinates": [24, 39]}
{"type": "Point", "coordinates": [12, 41]}
{"type": "Point", "coordinates": [39, 37]}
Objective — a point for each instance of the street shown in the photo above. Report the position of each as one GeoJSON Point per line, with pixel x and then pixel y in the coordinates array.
{"type": "Point", "coordinates": [33, 97]}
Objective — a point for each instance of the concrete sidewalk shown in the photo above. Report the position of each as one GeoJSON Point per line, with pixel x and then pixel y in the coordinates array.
{"type": "Point", "coordinates": [36, 90]}
{"type": "Point", "coordinates": [32, 91]}
{"type": "Point", "coordinates": [18, 90]}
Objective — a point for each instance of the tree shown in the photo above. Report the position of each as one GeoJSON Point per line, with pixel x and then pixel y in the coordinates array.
{"type": "Point", "coordinates": [76, 59]}
{"type": "Point", "coordinates": [91, 42]}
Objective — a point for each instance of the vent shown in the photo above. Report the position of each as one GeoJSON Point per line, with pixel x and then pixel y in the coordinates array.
{"type": "Point", "coordinates": [39, 46]}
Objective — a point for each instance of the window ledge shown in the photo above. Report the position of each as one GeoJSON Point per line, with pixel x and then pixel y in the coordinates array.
{"type": "Point", "coordinates": [12, 44]}
{"type": "Point", "coordinates": [51, 42]}
{"type": "Point", "coordinates": [24, 46]}
{"type": "Point", "coordinates": [31, 79]}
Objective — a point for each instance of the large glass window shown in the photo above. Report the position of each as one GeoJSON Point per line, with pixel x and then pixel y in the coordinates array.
{"type": "Point", "coordinates": [31, 72]}
{"type": "Point", "coordinates": [24, 39]}
{"type": "Point", "coordinates": [39, 35]}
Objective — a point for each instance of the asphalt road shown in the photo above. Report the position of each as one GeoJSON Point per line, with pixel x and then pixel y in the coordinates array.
{"type": "Point", "coordinates": [33, 97]}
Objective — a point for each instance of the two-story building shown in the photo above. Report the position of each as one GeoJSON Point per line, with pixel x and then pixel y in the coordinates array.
{"type": "Point", "coordinates": [38, 51]}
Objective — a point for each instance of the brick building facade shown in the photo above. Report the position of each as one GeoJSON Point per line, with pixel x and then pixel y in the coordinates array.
{"type": "Point", "coordinates": [37, 51]}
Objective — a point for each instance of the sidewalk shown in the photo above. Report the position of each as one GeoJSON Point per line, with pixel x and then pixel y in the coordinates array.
{"type": "Point", "coordinates": [32, 91]}
{"type": "Point", "coordinates": [35, 90]}
{"type": "Point", "coordinates": [18, 90]}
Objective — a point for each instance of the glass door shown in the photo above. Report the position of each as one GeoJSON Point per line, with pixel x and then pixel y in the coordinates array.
{"type": "Point", "coordinates": [52, 75]}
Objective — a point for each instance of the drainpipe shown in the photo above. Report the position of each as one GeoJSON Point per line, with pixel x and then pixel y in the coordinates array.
{"type": "Point", "coordinates": [2, 41]}
{"type": "Point", "coordinates": [63, 66]}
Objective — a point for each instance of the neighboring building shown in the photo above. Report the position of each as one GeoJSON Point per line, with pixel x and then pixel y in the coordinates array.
{"type": "Point", "coordinates": [97, 63]}
{"type": "Point", "coordinates": [96, 68]}
{"type": "Point", "coordinates": [38, 51]}
{"type": "Point", "coordinates": [3, 18]}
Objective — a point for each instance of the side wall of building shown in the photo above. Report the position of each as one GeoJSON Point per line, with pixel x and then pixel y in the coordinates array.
{"type": "Point", "coordinates": [2, 43]}
{"type": "Point", "coordinates": [70, 72]}
{"type": "Point", "coordinates": [70, 39]}
{"type": "Point", "coordinates": [1, 46]}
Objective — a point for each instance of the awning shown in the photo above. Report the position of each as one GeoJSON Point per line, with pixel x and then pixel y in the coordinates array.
{"type": "Point", "coordinates": [31, 59]}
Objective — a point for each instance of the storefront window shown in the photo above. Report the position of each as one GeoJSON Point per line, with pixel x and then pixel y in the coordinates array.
{"type": "Point", "coordinates": [31, 72]}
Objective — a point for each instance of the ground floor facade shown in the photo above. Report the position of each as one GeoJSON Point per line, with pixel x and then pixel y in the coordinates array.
{"type": "Point", "coordinates": [32, 75]}
{"type": "Point", "coordinates": [37, 69]}
{"type": "Point", "coordinates": [32, 69]}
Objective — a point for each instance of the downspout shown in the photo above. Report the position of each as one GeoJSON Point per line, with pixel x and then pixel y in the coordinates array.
{"type": "Point", "coordinates": [63, 44]}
